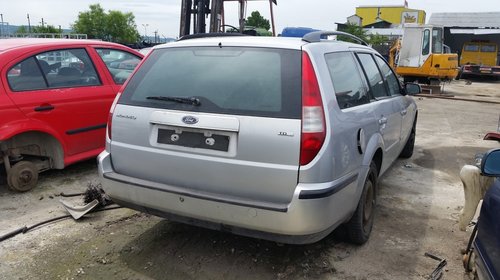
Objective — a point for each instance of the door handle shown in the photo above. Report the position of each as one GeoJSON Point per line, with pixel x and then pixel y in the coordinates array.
{"type": "Point", "coordinates": [404, 112]}
{"type": "Point", "coordinates": [382, 121]}
{"type": "Point", "coordinates": [45, 107]}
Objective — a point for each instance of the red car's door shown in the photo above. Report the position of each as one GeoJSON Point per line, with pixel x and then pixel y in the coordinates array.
{"type": "Point", "coordinates": [65, 90]}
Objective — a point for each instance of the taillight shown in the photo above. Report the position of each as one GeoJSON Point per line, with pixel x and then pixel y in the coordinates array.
{"type": "Point", "coordinates": [313, 116]}
{"type": "Point", "coordinates": [110, 116]}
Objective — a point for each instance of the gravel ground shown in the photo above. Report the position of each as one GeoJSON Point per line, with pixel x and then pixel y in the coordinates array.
{"type": "Point", "coordinates": [418, 205]}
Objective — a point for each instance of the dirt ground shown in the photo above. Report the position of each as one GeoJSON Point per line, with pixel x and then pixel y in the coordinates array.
{"type": "Point", "coordinates": [418, 206]}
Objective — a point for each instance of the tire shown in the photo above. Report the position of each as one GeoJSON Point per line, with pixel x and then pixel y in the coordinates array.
{"type": "Point", "coordinates": [23, 176]}
{"type": "Point", "coordinates": [459, 75]}
{"type": "Point", "coordinates": [407, 151]}
{"type": "Point", "coordinates": [360, 225]}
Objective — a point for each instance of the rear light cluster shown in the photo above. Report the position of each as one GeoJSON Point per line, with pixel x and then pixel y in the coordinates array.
{"type": "Point", "coordinates": [110, 116]}
{"type": "Point", "coordinates": [313, 115]}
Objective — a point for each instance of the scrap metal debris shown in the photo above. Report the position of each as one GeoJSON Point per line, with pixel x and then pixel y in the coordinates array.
{"type": "Point", "coordinates": [438, 272]}
{"type": "Point", "coordinates": [93, 197]}
{"type": "Point", "coordinates": [79, 211]}
{"type": "Point", "coordinates": [95, 192]}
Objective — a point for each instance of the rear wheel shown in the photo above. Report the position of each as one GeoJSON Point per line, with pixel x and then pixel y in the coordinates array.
{"type": "Point", "coordinates": [360, 225]}
{"type": "Point", "coordinates": [23, 176]}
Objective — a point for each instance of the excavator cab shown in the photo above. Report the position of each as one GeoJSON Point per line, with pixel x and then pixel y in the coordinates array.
{"type": "Point", "coordinates": [420, 55]}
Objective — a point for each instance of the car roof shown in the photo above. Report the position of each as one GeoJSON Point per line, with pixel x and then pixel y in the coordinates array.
{"type": "Point", "coordinates": [7, 44]}
{"type": "Point", "coordinates": [255, 41]}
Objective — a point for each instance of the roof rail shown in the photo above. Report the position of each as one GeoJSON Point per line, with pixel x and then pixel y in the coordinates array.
{"type": "Point", "coordinates": [209, 35]}
{"type": "Point", "coordinates": [314, 37]}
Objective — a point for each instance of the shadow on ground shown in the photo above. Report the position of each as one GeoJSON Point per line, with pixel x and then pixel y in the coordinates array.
{"type": "Point", "coordinates": [187, 252]}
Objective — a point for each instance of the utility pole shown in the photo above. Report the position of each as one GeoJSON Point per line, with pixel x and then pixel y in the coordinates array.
{"type": "Point", "coordinates": [1, 26]}
{"type": "Point", "coordinates": [145, 30]}
{"type": "Point", "coordinates": [42, 24]}
{"type": "Point", "coordinates": [29, 24]}
{"type": "Point", "coordinates": [156, 33]}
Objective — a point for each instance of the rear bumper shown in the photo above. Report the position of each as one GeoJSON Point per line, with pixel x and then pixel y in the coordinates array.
{"type": "Point", "coordinates": [314, 211]}
{"type": "Point", "coordinates": [481, 70]}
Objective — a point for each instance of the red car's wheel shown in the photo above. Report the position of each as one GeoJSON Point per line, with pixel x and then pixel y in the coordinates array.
{"type": "Point", "coordinates": [23, 176]}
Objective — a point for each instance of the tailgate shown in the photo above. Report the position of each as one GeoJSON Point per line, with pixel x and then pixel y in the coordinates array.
{"type": "Point", "coordinates": [240, 139]}
{"type": "Point", "coordinates": [234, 156]}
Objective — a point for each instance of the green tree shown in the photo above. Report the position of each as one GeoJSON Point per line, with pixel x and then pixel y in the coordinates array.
{"type": "Point", "coordinates": [256, 20]}
{"type": "Point", "coordinates": [22, 29]}
{"type": "Point", "coordinates": [121, 27]}
{"type": "Point", "coordinates": [38, 29]}
{"type": "Point", "coordinates": [359, 32]}
{"type": "Point", "coordinates": [112, 26]}
{"type": "Point", "coordinates": [45, 29]}
{"type": "Point", "coordinates": [92, 22]}
{"type": "Point", "coordinates": [355, 30]}
{"type": "Point", "coordinates": [377, 39]}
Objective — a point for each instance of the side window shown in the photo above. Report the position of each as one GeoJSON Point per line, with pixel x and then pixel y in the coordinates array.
{"type": "Point", "coordinates": [471, 48]}
{"type": "Point", "coordinates": [26, 76]}
{"type": "Point", "coordinates": [373, 75]}
{"type": "Point", "coordinates": [488, 48]}
{"type": "Point", "coordinates": [347, 82]}
{"type": "Point", "coordinates": [426, 42]}
{"type": "Point", "coordinates": [120, 64]}
{"type": "Point", "coordinates": [390, 78]}
{"type": "Point", "coordinates": [68, 68]}
{"type": "Point", "coordinates": [54, 69]}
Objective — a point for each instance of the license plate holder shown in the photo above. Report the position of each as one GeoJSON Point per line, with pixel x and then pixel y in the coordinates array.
{"type": "Point", "coordinates": [190, 139]}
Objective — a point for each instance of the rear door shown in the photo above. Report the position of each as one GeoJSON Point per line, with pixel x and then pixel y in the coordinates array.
{"type": "Point", "coordinates": [213, 120]}
{"type": "Point", "coordinates": [356, 122]}
{"type": "Point", "coordinates": [388, 109]}
{"type": "Point", "coordinates": [63, 89]}
{"type": "Point", "coordinates": [407, 106]}
{"type": "Point", "coordinates": [9, 113]}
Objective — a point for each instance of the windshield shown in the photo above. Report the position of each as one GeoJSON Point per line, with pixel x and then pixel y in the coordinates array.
{"type": "Point", "coordinates": [229, 80]}
{"type": "Point", "coordinates": [437, 40]}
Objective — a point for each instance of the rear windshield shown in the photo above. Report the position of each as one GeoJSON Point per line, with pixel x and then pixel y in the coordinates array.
{"type": "Point", "coordinates": [227, 80]}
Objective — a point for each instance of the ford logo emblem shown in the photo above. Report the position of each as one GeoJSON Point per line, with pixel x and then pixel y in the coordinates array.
{"type": "Point", "coordinates": [189, 120]}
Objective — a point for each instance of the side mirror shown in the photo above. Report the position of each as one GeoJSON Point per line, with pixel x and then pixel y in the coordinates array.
{"type": "Point", "coordinates": [412, 89]}
{"type": "Point", "coordinates": [490, 165]}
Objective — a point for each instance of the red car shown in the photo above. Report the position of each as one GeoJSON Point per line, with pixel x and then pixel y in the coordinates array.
{"type": "Point", "coordinates": [55, 96]}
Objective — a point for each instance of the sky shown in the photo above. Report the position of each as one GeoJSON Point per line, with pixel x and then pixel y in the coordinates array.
{"type": "Point", "coordinates": [163, 15]}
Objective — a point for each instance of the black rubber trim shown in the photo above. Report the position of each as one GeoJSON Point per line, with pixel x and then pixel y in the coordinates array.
{"type": "Point", "coordinates": [85, 129]}
{"type": "Point", "coordinates": [314, 194]}
{"type": "Point", "coordinates": [252, 204]}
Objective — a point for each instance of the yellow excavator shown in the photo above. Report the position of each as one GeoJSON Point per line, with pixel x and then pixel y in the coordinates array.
{"type": "Point", "coordinates": [420, 55]}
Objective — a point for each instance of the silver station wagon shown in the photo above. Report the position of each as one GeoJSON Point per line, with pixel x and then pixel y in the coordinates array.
{"type": "Point", "coordinates": [275, 138]}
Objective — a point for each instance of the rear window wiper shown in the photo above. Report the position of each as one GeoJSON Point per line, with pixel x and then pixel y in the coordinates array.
{"type": "Point", "coordinates": [186, 100]}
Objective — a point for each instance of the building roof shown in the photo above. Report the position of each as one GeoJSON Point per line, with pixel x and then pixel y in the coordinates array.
{"type": "Point", "coordinates": [477, 20]}
{"type": "Point", "coordinates": [380, 23]}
